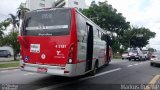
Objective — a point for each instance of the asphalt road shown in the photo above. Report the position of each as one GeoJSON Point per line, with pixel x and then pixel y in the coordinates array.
{"type": "Point", "coordinates": [119, 75]}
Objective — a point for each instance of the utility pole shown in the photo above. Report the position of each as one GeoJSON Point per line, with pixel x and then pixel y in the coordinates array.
{"type": "Point", "coordinates": [131, 38]}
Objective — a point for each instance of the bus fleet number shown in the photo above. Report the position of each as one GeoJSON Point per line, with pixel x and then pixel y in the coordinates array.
{"type": "Point", "coordinates": [60, 46]}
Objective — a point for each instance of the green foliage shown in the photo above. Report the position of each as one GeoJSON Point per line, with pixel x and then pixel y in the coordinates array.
{"type": "Point", "coordinates": [152, 50]}
{"type": "Point", "coordinates": [109, 19]}
{"type": "Point", "coordinates": [3, 26]}
{"type": "Point", "coordinates": [135, 41]}
{"type": "Point", "coordinates": [11, 40]}
{"type": "Point", "coordinates": [106, 17]}
{"type": "Point", "coordinates": [21, 11]}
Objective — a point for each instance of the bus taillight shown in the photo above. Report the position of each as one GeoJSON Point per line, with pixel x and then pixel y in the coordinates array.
{"type": "Point", "coordinates": [70, 55]}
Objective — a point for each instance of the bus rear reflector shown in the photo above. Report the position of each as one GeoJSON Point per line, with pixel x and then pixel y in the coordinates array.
{"type": "Point", "coordinates": [22, 66]}
{"type": "Point", "coordinates": [66, 71]}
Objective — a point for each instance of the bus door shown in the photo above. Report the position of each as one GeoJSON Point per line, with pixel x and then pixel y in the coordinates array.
{"type": "Point", "coordinates": [107, 39]}
{"type": "Point", "coordinates": [89, 51]}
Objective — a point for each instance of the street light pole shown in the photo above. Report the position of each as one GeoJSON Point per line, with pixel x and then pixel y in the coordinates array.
{"type": "Point", "coordinates": [130, 39]}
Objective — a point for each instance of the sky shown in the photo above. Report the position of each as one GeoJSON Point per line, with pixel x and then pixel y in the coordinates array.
{"type": "Point", "coordinates": [139, 12]}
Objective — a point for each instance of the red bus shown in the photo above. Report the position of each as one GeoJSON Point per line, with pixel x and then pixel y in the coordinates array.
{"type": "Point", "coordinates": [62, 42]}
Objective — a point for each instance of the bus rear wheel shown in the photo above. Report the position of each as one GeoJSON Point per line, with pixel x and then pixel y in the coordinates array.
{"type": "Point", "coordinates": [108, 61]}
{"type": "Point", "coordinates": [93, 72]}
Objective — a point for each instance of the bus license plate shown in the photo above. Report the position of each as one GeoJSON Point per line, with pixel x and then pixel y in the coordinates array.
{"type": "Point", "coordinates": [42, 70]}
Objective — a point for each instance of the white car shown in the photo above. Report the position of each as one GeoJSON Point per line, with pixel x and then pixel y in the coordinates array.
{"type": "Point", "coordinates": [125, 55]}
{"type": "Point", "coordinates": [155, 60]}
{"type": "Point", "coordinates": [154, 57]}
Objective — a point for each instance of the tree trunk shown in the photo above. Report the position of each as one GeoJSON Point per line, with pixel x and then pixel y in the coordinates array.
{"type": "Point", "coordinates": [15, 55]}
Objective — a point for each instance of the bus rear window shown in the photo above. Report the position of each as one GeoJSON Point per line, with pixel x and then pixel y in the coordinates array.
{"type": "Point", "coordinates": [47, 23]}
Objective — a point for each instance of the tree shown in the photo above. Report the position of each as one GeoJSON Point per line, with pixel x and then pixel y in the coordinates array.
{"type": "Point", "coordinates": [107, 17]}
{"type": "Point", "coordinates": [137, 37]}
{"type": "Point", "coordinates": [1, 33]}
{"type": "Point", "coordinates": [21, 11]}
{"type": "Point", "coordinates": [13, 20]}
{"type": "Point", "coordinates": [152, 49]}
{"type": "Point", "coordinates": [3, 26]}
{"type": "Point", "coordinates": [104, 15]}
{"type": "Point", "coordinates": [11, 40]}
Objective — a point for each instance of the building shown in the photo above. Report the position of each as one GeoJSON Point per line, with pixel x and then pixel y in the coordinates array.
{"type": "Point", "coordinates": [39, 4]}
{"type": "Point", "coordinates": [79, 4]}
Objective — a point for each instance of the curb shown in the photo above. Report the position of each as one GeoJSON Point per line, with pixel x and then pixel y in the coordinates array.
{"type": "Point", "coordinates": [11, 68]}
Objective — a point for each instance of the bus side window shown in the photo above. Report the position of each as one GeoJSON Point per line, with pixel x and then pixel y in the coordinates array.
{"type": "Point", "coordinates": [81, 27]}
{"type": "Point", "coordinates": [101, 34]}
{"type": "Point", "coordinates": [98, 33]}
{"type": "Point", "coordinates": [95, 32]}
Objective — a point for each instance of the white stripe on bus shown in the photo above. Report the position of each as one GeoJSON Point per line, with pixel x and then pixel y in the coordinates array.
{"type": "Point", "coordinates": [47, 27]}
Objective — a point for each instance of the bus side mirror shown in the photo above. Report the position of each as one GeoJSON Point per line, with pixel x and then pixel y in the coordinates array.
{"type": "Point", "coordinates": [106, 38]}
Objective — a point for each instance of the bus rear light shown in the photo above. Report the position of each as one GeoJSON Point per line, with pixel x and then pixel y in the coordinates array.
{"type": "Point", "coordinates": [20, 57]}
{"type": "Point", "coordinates": [70, 61]}
{"type": "Point", "coordinates": [70, 55]}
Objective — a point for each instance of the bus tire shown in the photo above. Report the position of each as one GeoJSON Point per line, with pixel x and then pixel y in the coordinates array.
{"type": "Point", "coordinates": [93, 72]}
{"type": "Point", "coordinates": [129, 59]}
{"type": "Point", "coordinates": [108, 61]}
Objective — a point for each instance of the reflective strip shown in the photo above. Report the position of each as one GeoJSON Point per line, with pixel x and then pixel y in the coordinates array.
{"type": "Point", "coordinates": [47, 27]}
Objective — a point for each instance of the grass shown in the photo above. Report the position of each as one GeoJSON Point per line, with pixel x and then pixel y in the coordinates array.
{"type": "Point", "coordinates": [9, 64]}
{"type": "Point", "coordinates": [12, 61]}
{"type": "Point", "coordinates": [117, 57]}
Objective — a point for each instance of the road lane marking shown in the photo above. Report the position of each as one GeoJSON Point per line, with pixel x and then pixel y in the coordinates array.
{"type": "Point", "coordinates": [67, 83]}
{"type": "Point", "coordinates": [136, 64]}
{"type": "Point", "coordinates": [141, 63]}
{"type": "Point", "coordinates": [29, 74]}
{"type": "Point", "coordinates": [16, 69]}
{"type": "Point", "coordinates": [152, 83]}
{"type": "Point", "coordinates": [99, 74]}
{"type": "Point", "coordinates": [129, 65]}
{"type": "Point", "coordinates": [118, 61]}
{"type": "Point", "coordinates": [4, 71]}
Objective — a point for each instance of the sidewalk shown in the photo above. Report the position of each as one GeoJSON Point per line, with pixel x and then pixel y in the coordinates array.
{"type": "Point", "coordinates": [6, 59]}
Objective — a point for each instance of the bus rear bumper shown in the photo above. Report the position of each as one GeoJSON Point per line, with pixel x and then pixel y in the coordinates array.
{"type": "Point", "coordinates": [68, 70]}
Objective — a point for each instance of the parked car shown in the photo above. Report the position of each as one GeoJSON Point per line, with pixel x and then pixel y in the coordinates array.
{"type": "Point", "coordinates": [5, 53]}
{"type": "Point", "coordinates": [136, 53]}
{"type": "Point", "coordinates": [125, 55]}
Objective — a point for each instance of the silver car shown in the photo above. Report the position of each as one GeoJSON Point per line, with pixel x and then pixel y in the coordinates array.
{"type": "Point", "coordinates": [155, 59]}
{"type": "Point", "coordinates": [135, 54]}
{"type": "Point", "coordinates": [5, 53]}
